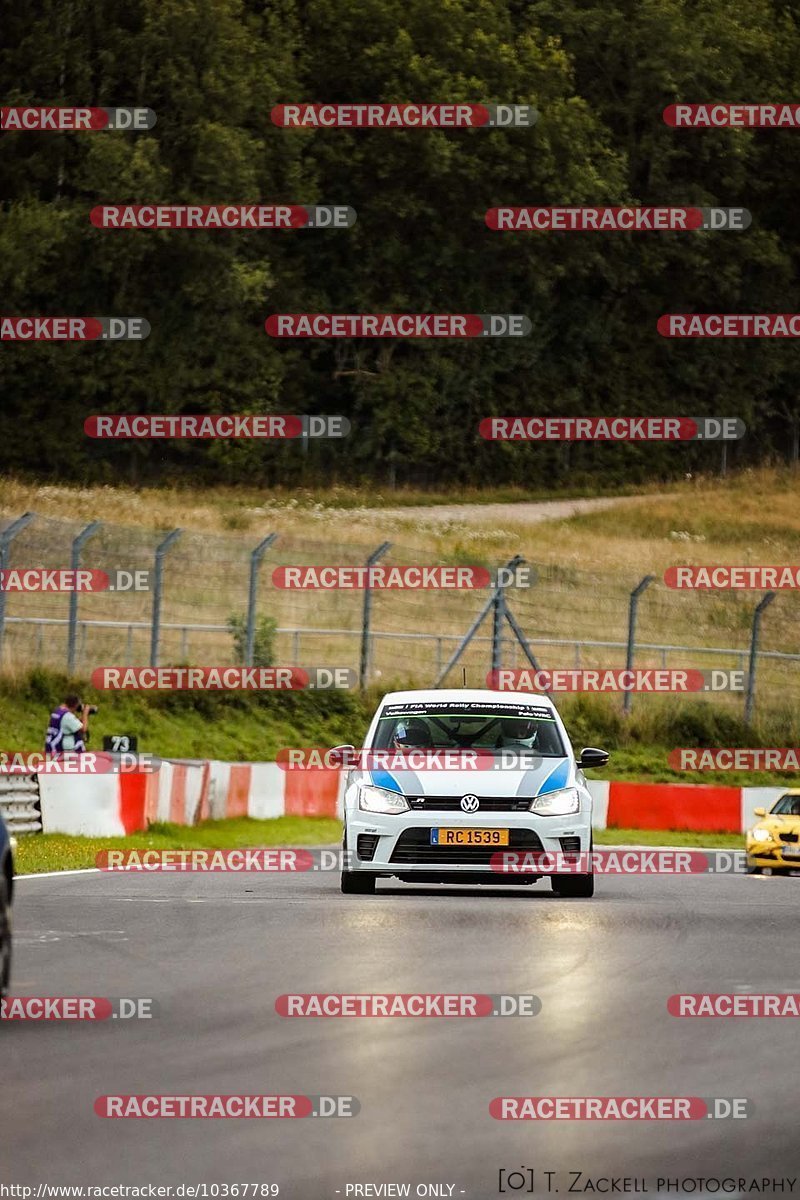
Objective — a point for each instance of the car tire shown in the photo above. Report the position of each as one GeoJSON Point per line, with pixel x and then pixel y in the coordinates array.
{"type": "Point", "coordinates": [573, 887]}
{"type": "Point", "coordinates": [357, 883]}
{"type": "Point", "coordinates": [5, 934]}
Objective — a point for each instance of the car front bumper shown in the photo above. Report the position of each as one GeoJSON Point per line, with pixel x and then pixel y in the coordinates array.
{"type": "Point", "coordinates": [401, 845]}
{"type": "Point", "coordinates": [774, 855]}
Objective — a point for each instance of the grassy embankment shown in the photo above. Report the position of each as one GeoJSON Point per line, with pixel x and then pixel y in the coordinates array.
{"type": "Point", "coordinates": [749, 518]}
{"type": "Point", "coordinates": [255, 727]}
{"type": "Point", "coordinates": [587, 564]}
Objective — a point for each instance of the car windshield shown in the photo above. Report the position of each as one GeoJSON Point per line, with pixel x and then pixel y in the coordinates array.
{"type": "Point", "coordinates": [443, 725]}
{"type": "Point", "coordinates": [787, 806]}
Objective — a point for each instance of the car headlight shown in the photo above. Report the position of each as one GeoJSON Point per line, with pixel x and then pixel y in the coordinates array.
{"type": "Point", "coordinates": [761, 835]}
{"type": "Point", "coordinates": [379, 800]}
{"type": "Point", "coordinates": [557, 804]}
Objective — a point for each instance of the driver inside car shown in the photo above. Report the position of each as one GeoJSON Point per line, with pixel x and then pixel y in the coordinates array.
{"type": "Point", "coordinates": [517, 731]}
{"type": "Point", "coordinates": [412, 734]}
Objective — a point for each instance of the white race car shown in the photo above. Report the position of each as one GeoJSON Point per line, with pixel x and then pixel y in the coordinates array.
{"type": "Point", "coordinates": [515, 787]}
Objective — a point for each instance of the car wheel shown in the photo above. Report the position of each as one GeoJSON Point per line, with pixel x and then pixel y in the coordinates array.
{"type": "Point", "coordinates": [752, 870]}
{"type": "Point", "coordinates": [573, 886]}
{"type": "Point", "coordinates": [357, 883]}
{"type": "Point", "coordinates": [5, 934]}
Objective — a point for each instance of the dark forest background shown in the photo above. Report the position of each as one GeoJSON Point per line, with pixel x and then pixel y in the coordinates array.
{"type": "Point", "coordinates": [599, 74]}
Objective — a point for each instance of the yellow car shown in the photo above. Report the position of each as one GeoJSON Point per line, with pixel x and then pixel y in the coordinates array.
{"type": "Point", "coordinates": [773, 844]}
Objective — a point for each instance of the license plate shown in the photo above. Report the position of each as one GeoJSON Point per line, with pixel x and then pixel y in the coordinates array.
{"type": "Point", "coordinates": [791, 850]}
{"type": "Point", "coordinates": [469, 837]}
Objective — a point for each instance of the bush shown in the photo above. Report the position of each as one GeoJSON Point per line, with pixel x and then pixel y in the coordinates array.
{"type": "Point", "coordinates": [263, 642]}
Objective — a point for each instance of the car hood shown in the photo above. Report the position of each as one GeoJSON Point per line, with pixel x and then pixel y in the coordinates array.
{"type": "Point", "coordinates": [544, 775]}
{"type": "Point", "coordinates": [778, 825]}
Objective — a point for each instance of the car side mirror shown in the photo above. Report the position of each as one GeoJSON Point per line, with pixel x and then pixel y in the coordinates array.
{"type": "Point", "coordinates": [592, 757]}
{"type": "Point", "coordinates": [342, 756]}
{"type": "Point", "coordinates": [759, 812]}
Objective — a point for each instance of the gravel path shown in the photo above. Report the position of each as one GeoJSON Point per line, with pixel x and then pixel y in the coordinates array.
{"type": "Point", "coordinates": [522, 512]}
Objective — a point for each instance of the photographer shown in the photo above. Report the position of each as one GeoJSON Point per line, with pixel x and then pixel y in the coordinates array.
{"type": "Point", "coordinates": [68, 731]}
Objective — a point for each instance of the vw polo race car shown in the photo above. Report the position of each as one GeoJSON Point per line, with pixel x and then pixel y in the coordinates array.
{"type": "Point", "coordinates": [773, 844]}
{"type": "Point", "coordinates": [452, 825]}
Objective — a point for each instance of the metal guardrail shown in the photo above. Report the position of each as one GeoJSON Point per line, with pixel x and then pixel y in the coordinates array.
{"type": "Point", "coordinates": [19, 803]}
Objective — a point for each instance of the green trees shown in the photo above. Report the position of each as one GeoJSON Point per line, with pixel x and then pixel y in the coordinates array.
{"type": "Point", "coordinates": [212, 70]}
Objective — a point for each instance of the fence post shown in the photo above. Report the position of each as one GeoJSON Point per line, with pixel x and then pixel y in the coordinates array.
{"type": "Point", "coordinates": [498, 612]}
{"type": "Point", "coordinates": [6, 538]}
{"type": "Point", "coordinates": [158, 573]}
{"type": "Point", "coordinates": [365, 655]}
{"type": "Point", "coordinates": [252, 599]}
{"type": "Point", "coordinates": [633, 605]}
{"type": "Point", "coordinates": [75, 562]}
{"type": "Point", "coordinates": [751, 677]}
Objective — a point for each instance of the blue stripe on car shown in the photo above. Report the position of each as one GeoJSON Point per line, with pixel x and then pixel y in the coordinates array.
{"type": "Point", "coordinates": [556, 779]}
{"type": "Point", "coordinates": [384, 779]}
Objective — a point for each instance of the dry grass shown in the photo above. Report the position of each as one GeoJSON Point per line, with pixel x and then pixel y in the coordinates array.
{"type": "Point", "coordinates": [587, 565]}
{"type": "Point", "coordinates": [750, 517]}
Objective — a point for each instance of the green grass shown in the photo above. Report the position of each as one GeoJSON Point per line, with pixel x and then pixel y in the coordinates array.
{"type": "Point", "coordinates": [57, 852]}
{"type": "Point", "coordinates": [233, 726]}
{"type": "Point", "coordinates": [668, 837]}
{"type": "Point", "coordinates": [37, 852]}
{"type": "Point", "coordinates": [252, 727]}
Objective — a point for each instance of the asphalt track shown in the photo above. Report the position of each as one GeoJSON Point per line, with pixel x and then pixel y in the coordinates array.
{"type": "Point", "coordinates": [215, 950]}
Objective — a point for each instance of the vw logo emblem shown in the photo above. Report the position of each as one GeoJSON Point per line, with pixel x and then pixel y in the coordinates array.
{"type": "Point", "coordinates": [470, 803]}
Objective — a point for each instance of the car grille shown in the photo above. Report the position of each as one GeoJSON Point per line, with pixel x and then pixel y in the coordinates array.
{"type": "Point", "coordinates": [788, 837]}
{"type": "Point", "coordinates": [365, 845]}
{"type": "Point", "coordinates": [570, 845]}
{"type": "Point", "coordinates": [414, 846]}
{"type": "Point", "coordinates": [453, 804]}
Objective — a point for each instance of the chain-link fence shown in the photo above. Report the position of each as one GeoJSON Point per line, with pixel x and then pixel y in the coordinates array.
{"type": "Point", "coordinates": [212, 601]}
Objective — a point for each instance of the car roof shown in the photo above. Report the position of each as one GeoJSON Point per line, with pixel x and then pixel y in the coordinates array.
{"type": "Point", "coordinates": [466, 695]}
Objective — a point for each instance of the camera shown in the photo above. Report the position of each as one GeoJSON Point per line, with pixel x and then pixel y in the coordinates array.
{"type": "Point", "coordinates": [91, 707]}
